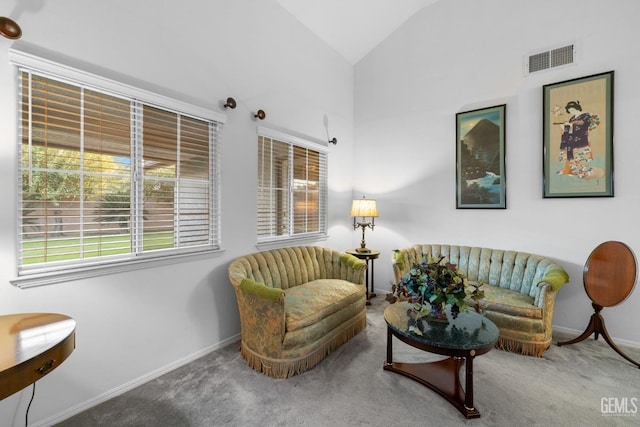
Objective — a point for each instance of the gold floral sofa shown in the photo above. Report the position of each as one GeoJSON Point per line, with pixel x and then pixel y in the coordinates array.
{"type": "Point", "coordinates": [519, 289]}
{"type": "Point", "coordinates": [297, 305]}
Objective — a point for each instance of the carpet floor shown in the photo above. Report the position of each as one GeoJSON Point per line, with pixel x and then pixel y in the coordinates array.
{"type": "Point", "coordinates": [584, 384]}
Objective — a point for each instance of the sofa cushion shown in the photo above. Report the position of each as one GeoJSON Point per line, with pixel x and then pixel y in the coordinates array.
{"type": "Point", "coordinates": [311, 302]}
{"type": "Point", "coordinates": [295, 342]}
{"type": "Point", "coordinates": [510, 302]}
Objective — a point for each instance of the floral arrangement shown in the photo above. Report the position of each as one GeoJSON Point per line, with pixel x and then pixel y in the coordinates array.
{"type": "Point", "coordinates": [438, 283]}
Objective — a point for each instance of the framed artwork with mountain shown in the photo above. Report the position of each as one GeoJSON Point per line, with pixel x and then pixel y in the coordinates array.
{"type": "Point", "coordinates": [480, 159]}
{"type": "Point", "coordinates": [578, 137]}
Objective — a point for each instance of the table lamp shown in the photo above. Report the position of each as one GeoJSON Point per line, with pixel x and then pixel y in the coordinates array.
{"type": "Point", "coordinates": [363, 208]}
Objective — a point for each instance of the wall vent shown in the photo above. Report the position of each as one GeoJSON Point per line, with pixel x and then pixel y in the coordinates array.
{"type": "Point", "coordinates": [556, 57]}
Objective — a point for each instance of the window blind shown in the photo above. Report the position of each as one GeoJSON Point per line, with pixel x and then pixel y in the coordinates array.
{"type": "Point", "coordinates": [107, 177]}
{"type": "Point", "coordinates": [292, 188]}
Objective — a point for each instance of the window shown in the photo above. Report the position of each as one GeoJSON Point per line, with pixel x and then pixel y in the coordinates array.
{"type": "Point", "coordinates": [292, 187]}
{"type": "Point", "coordinates": [107, 175]}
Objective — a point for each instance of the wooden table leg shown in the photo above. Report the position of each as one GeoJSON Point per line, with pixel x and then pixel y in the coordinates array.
{"type": "Point", "coordinates": [468, 389]}
{"type": "Point", "coordinates": [389, 360]}
{"type": "Point", "coordinates": [596, 327]}
{"type": "Point", "coordinates": [372, 293]}
{"type": "Point", "coordinates": [366, 283]}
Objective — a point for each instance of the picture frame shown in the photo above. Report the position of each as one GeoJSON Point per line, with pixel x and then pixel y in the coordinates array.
{"type": "Point", "coordinates": [578, 137]}
{"type": "Point", "coordinates": [480, 158]}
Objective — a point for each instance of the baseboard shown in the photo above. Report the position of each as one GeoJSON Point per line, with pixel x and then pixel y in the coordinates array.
{"type": "Point", "coordinates": [577, 333]}
{"type": "Point", "coordinates": [54, 419]}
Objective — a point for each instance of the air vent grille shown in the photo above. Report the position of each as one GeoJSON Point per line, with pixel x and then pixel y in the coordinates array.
{"type": "Point", "coordinates": [551, 58]}
{"type": "Point", "coordinates": [538, 62]}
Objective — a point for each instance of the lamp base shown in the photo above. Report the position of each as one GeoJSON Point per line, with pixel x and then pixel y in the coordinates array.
{"type": "Point", "coordinates": [363, 250]}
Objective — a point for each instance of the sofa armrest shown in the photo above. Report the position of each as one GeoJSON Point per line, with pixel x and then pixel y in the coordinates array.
{"type": "Point", "coordinates": [543, 292]}
{"type": "Point", "coordinates": [353, 270]}
{"type": "Point", "coordinates": [549, 285]}
{"type": "Point", "coordinates": [262, 317]}
{"type": "Point", "coordinates": [249, 286]}
{"type": "Point", "coordinates": [399, 264]}
{"type": "Point", "coordinates": [556, 278]}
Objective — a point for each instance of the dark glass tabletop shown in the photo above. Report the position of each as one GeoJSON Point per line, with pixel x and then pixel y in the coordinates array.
{"type": "Point", "coordinates": [469, 331]}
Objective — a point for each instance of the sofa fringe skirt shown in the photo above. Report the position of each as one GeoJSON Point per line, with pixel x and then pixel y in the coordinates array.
{"type": "Point", "coordinates": [530, 348]}
{"type": "Point", "coordinates": [288, 367]}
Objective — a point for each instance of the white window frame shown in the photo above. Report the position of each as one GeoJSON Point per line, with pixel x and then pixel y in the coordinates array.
{"type": "Point", "coordinates": [49, 273]}
{"type": "Point", "coordinates": [294, 139]}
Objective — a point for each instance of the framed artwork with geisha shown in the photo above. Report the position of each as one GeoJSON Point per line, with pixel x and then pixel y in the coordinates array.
{"type": "Point", "coordinates": [578, 137]}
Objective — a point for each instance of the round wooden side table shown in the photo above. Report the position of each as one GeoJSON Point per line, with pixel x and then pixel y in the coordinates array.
{"type": "Point", "coordinates": [31, 346]}
{"type": "Point", "coordinates": [609, 276]}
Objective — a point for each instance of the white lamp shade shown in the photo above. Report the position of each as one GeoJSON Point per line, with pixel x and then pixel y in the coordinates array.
{"type": "Point", "coordinates": [364, 208]}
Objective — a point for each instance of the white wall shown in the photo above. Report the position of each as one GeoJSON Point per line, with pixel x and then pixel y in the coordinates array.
{"type": "Point", "coordinates": [459, 55]}
{"type": "Point", "coordinates": [133, 325]}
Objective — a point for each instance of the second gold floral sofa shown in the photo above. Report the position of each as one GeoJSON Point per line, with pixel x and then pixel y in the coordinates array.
{"type": "Point", "coordinates": [520, 289]}
{"type": "Point", "coordinates": [296, 305]}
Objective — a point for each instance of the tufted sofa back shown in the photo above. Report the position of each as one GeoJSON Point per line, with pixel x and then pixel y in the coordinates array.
{"type": "Point", "coordinates": [287, 267]}
{"type": "Point", "coordinates": [517, 271]}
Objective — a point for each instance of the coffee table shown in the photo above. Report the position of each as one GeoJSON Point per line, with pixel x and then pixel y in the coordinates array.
{"type": "Point", "coordinates": [462, 339]}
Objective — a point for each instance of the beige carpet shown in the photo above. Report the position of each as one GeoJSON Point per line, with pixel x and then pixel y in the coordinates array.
{"type": "Point", "coordinates": [565, 388]}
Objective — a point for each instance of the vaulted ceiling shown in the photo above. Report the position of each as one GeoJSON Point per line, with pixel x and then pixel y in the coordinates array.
{"type": "Point", "coordinates": [353, 27]}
